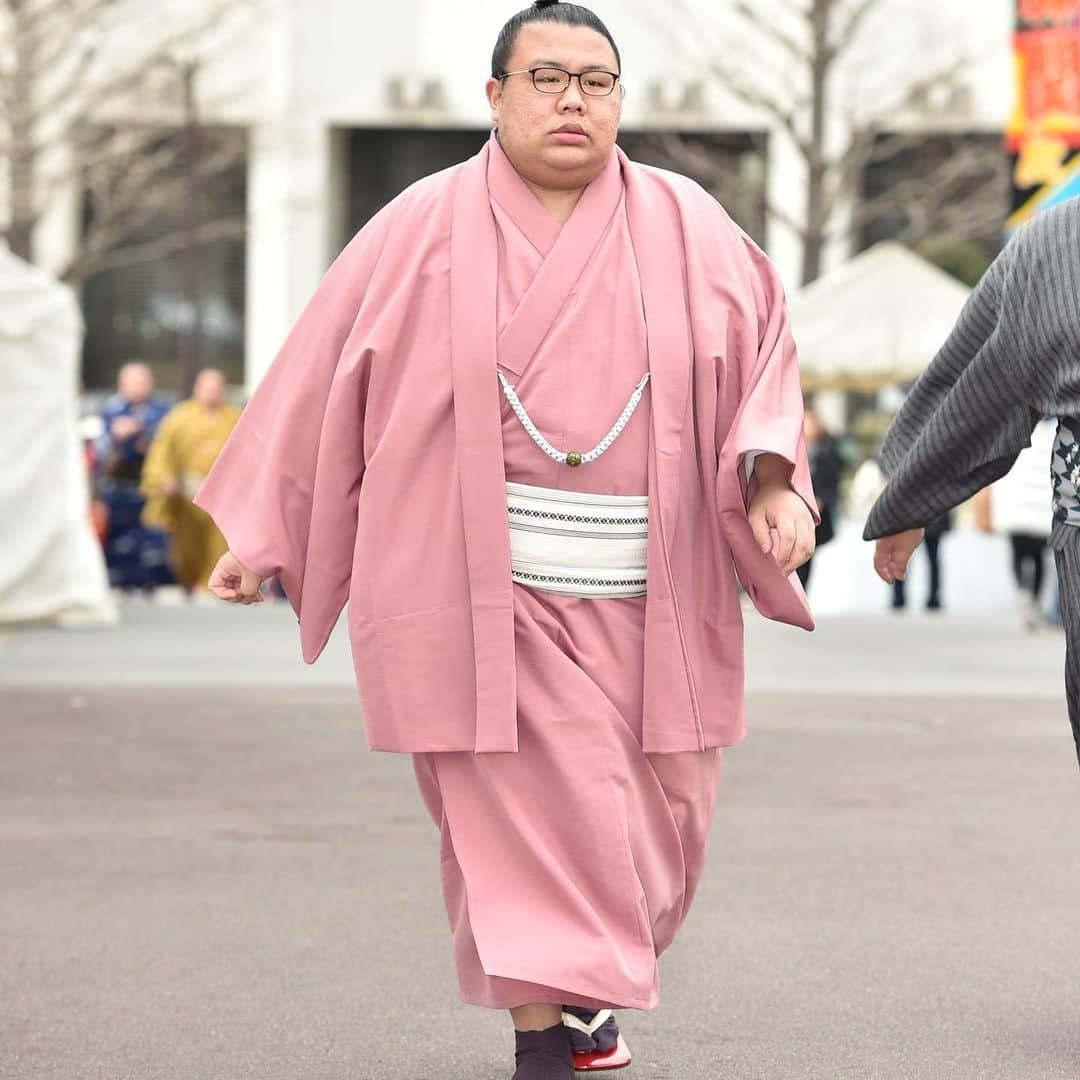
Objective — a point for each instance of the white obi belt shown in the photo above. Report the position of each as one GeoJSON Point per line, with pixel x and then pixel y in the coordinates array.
{"type": "Point", "coordinates": [578, 543]}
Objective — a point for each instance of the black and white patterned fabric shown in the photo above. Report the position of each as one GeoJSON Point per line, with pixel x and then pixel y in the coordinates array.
{"type": "Point", "coordinates": [1067, 558]}
{"type": "Point", "coordinates": [578, 543]}
{"type": "Point", "coordinates": [1012, 358]}
{"type": "Point", "coordinates": [1065, 467]}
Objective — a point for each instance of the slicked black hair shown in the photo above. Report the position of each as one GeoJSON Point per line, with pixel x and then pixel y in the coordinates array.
{"type": "Point", "coordinates": [549, 11]}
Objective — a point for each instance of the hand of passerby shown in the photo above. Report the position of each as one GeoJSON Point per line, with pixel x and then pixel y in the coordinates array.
{"type": "Point", "coordinates": [777, 510]}
{"type": "Point", "coordinates": [123, 427]}
{"type": "Point", "coordinates": [234, 582]}
{"type": "Point", "coordinates": [169, 485]}
{"type": "Point", "coordinates": [893, 553]}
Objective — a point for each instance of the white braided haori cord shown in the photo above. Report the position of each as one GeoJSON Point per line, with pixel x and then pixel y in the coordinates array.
{"type": "Point", "coordinates": [573, 457]}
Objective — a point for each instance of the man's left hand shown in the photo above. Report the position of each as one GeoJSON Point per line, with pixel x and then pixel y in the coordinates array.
{"type": "Point", "coordinates": [775, 508]}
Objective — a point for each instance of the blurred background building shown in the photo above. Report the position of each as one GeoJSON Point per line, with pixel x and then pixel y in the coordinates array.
{"type": "Point", "coordinates": [191, 167]}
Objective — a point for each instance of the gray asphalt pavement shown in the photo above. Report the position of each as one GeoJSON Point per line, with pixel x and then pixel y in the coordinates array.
{"type": "Point", "coordinates": [206, 876]}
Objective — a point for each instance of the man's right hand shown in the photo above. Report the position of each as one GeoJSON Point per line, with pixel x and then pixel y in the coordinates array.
{"type": "Point", "coordinates": [893, 553]}
{"type": "Point", "coordinates": [233, 582]}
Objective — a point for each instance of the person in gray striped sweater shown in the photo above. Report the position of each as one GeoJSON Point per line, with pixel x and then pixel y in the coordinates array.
{"type": "Point", "coordinates": [1012, 358]}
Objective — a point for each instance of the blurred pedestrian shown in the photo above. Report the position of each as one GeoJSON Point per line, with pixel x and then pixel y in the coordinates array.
{"type": "Point", "coordinates": [1012, 359]}
{"type": "Point", "coordinates": [136, 554]}
{"type": "Point", "coordinates": [565, 718]}
{"type": "Point", "coordinates": [934, 531]}
{"type": "Point", "coordinates": [1019, 505]}
{"type": "Point", "coordinates": [826, 470]}
{"type": "Point", "coordinates": [185, 447]}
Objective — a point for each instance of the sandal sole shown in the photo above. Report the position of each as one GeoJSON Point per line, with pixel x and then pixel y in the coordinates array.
{"type": "Point", "coordinates": [618, 1057]}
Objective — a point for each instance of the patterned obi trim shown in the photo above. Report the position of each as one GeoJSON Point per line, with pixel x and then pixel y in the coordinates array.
{"type": "Point", "coordinates": [1065, 471]}
{"type": "Point", "coordinates": [577, 543]}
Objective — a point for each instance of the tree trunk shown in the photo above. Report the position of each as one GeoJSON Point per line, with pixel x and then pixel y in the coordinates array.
{"type": "Point", "coordinates": [191, 256]}
{"type": "Point", "coordinates": [814, 236]}
{"type": "Point", "coordinates": [21, 132]}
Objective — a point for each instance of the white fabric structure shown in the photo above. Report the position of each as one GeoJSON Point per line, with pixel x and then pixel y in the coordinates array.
{"type": "Point", "coordinates": [1022, 500]}
{"type": "Point", "coordinates": [51, 565]}
{"type": "Point", "coordinates": [875, 321]}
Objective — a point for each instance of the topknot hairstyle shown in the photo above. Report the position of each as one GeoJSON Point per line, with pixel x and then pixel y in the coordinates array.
{"type": "Point", "coordinates": [549, 11]}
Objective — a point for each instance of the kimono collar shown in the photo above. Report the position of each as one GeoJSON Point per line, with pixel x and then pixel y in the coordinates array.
{"type": "Point", "coordinates": [510, 191]}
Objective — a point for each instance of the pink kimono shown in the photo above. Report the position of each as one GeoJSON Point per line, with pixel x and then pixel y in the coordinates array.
{"type": "Point", "coordinates": [566, 747]}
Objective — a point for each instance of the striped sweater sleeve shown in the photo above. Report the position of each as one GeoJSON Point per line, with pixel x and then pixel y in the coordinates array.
{"type": "Point", "coordinates": [973, 410]}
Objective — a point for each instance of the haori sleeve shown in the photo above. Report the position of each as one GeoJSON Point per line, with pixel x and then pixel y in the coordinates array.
{"type": "Point", "coordinates": [260, 490]}
{"type": "Point", "coordinates": [769, 418]}
{"type": "Point", "coordinates": [969, 415]}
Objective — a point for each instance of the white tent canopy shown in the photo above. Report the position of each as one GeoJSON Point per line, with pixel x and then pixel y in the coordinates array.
{"type": "Point", "coordinates": [875, 321]}
{"type": "Point", "coordinates": [51, 565]}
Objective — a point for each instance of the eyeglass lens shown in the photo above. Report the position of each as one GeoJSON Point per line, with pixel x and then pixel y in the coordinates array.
{"type": "Point", "coordinates": [555, 81]}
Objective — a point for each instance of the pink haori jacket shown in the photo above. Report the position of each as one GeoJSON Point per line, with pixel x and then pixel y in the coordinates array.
{"type": "Point", "coordinates": [367, 466]}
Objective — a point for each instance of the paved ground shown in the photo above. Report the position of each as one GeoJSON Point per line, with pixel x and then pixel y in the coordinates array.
{"type": "Point", "coordinates": [214, 645]}
{"type": "Point", "coordinates": [207, 877]}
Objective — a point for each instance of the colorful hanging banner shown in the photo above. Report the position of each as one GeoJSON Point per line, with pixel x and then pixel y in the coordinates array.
{"type": "Point", "coordinates": [1043, 134]}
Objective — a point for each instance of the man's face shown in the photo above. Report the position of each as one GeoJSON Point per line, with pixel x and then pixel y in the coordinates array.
{"type": "Point", "coordinates": [209, 388]}
{"type": "Point", "coordinates": [135, 382]}
{"type": "Point", "coordinates": [529, 121]}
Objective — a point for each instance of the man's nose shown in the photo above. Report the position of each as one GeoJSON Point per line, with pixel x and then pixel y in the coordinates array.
{"type": "Point", "coordinates": [572, 97]}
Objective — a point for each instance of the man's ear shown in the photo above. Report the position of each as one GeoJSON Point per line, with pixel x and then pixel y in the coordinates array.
{"type": "Point", "coordinates": [494, 96]}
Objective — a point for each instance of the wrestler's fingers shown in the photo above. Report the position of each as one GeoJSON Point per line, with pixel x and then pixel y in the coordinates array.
{"type": "Point", "coordinates": [786, 530]}
{"type": "Point", "coordinates": [804, 542]}
{"type": "Point", "coordinates": [760, 527]}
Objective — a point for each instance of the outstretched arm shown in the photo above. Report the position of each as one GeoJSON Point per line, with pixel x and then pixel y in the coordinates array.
{"type": "Point", "coordinates": [969, 415]}
{"type": "Point", "coordinates": [261, 490]}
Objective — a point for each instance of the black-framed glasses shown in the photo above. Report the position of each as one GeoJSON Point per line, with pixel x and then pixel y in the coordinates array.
{"type": "Point", "coordinates": [553, 80]}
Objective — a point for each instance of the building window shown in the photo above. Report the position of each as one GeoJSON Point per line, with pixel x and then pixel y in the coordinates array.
{"type": "Point", "coordinates": [382, 162]}
{"type": "Point", "coordinates": [943, 195]}
{"type": "Point", "coordinates": [134, 296]}
{"type": "Point", "coordinates": [731, 166]}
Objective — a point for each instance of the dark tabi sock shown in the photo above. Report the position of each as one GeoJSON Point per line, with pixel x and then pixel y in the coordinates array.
{"type": "Point", "coordinates": [603, 1038]}
{"type": "Point", "coordinates": [543, 1055]}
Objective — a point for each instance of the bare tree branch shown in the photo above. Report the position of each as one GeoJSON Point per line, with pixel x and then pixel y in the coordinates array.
{"type": "Point", "coordinates": [785, 114]}
{"type": "Point", "coordinates": [691, 156]}
{"type": "Point", "coordinates": [791, 87]}
{"type": "Point", "coordinates": [95, 261]}
{"type": "Point", "coordinates": [849, 31]}
{"type": "Point", "coordinates": [775, 32]}
{"type": "Point", "coordinates": [61, 81]}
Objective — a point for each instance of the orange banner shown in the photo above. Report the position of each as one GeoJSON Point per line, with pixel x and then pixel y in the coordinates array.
{"type": "Point", "coordinates": [1043, 133]}
{"type": "Point", "coordinates": [1055, 11]}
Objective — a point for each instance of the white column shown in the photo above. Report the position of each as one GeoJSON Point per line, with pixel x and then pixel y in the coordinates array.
{"type": "Point", "coordinates": [831, 407]}
{"type": "Point", "coordinates": [56, 235]}
{"type": "Point", "coordinates": [290, 197]}
{"type": "Point", "coordinates": [289, 224]}
{"type": "Point", "coordinates": [786, 186]}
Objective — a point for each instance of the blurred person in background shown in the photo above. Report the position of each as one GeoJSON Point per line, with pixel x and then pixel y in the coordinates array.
{"type": "Point", "coordinates": [1012, 359]}
{"type": "Point", "coordinates": [565, 720]}
{"type": "Point", "coordinates": [1019, 505]}
{"type": "Point", "coordinates": [826, 470]}
{"type": "Point", "coordinates": [934, 531]}
{"type": "Point", "coordinates": [185, 447]}
{"type": "Point", "coordinates": [136, 554]}
{"type": "Point", "coordinates": [867, 484]}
